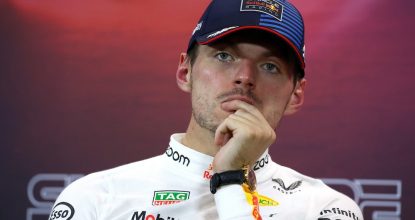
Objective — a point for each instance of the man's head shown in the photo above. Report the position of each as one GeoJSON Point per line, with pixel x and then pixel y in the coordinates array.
{"type": "Point", "coordinates": [253, 64]}
{"type": "Point", "coordinates": [277, 17]}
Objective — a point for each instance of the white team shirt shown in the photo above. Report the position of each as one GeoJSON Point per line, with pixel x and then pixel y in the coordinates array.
{"type": "Point", "coordinates": [175, 186]}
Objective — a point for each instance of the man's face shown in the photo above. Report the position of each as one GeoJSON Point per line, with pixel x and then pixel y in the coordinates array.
{"type": "Point", "coordinates": [240, 67]}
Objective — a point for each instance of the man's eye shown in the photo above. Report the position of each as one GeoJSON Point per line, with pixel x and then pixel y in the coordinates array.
{"type": "Point", "coordinates": [223, 56]}
{"type": "Point", "coordinates": [270, 67]}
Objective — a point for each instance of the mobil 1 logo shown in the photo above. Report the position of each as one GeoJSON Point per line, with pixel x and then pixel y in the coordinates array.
{"type": "Point", "coordinates": [144, 215]}
{"type": "Point", "coordinates": [62, 211]}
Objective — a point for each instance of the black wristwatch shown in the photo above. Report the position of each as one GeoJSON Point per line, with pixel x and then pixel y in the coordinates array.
{"type": "Point", "coordinates": [245, 175]}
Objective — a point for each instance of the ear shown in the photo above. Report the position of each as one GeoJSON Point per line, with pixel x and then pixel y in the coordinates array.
{"type": "Point", "coordinates": [183, 73]}
{"type": "Point", "coordinates": [297, 98]}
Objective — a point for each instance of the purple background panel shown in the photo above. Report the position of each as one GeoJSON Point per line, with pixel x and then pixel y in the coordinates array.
{"type": "Point", "coordinates": [89, 85]}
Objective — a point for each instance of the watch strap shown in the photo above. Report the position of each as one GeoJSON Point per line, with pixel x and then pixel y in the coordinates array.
{"type": "Point", "coordinates": [226, 178]}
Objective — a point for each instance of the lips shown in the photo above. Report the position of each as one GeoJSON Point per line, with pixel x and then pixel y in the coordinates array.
{"type": "Point", "coordinates": [229, 104]}
{"type": "Point", "coordinates": [240, 98]}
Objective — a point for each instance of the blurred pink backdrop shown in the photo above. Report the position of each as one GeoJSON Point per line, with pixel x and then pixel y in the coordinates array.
{"type": "Point", "coordinates": [89, 85]}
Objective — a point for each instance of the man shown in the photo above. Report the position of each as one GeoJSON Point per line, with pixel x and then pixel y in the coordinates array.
{"type": "Point", "coordinates": [244, 70]}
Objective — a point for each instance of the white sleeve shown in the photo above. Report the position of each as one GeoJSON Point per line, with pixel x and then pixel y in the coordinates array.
{"type": "Point", "coordinates": [78, 201]}
{"type": "Point", "coordinates": [232, 203]}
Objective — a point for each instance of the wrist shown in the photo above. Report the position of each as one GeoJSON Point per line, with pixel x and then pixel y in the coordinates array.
{"type": "Point", "coordinates": [240, 176]}
{"type": "Point", "coordinates": [223, 167]}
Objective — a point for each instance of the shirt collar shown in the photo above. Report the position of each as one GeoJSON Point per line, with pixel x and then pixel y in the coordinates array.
{"type": "Point", "coordinates": [183, 157]}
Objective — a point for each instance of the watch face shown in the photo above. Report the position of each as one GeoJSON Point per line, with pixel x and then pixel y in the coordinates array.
{"type": "Point", "coordinates": [251, 180]}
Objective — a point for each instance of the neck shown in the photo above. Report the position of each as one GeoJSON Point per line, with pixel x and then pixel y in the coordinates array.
{"type": "Point", "coordinates": [200, 139]}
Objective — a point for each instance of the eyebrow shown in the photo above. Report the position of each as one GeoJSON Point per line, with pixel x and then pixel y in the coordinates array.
{"type": "Point", "coordinates": [221, 45]}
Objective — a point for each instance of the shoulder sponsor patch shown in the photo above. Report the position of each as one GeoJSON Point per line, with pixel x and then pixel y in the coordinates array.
{"type": "Point", "coordinates": [338, 213]}
{"type": "Point", "coordinates": [168, 197]}
{"type": "Point", "coordinates": [292, 188]}
{"type": "Point", "coordinates": [270, 7]}
{"type": "Point", "coordinates": [62, 211]}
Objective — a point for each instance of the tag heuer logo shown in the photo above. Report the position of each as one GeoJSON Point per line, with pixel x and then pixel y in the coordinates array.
{"type": "Point", "coordinates": [167, 197]}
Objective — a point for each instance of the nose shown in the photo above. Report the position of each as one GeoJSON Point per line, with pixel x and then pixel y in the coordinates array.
{"type": "Point", "coordinates": [245, 76]}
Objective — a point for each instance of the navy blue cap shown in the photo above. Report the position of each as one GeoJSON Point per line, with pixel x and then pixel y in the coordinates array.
{"type": "Point", "coordinates": [278, 17]}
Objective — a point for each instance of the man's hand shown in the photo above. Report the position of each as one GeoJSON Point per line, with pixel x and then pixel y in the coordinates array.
{"type": "Point", "coordinates": [243, 136]}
